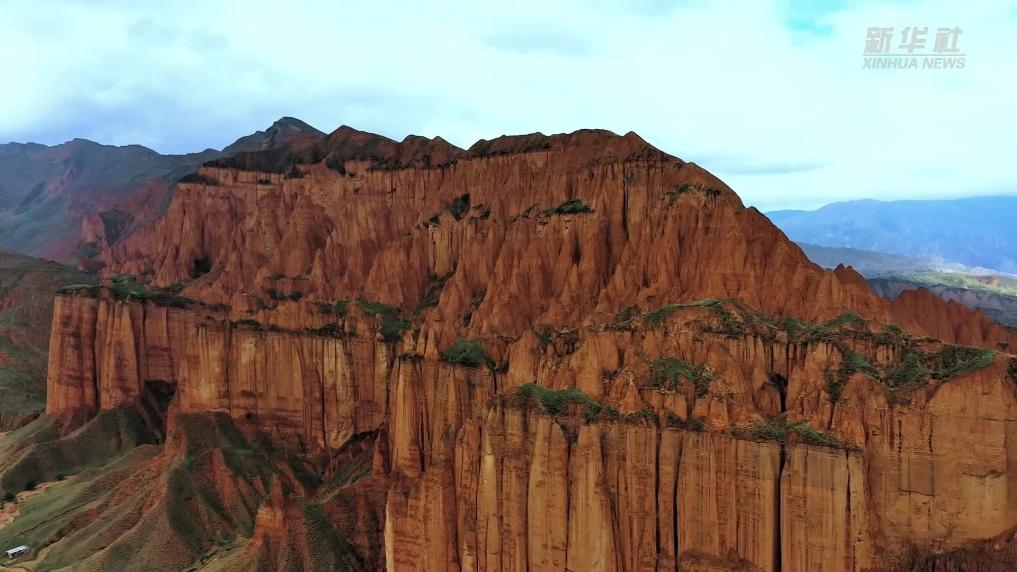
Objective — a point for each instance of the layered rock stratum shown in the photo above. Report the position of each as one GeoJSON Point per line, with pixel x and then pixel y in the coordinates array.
{"type": "Point", "coordinates": [540, 353]}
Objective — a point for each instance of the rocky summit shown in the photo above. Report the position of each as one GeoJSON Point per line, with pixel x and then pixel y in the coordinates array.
{"type": "Point", "coordinates": [539, 353]}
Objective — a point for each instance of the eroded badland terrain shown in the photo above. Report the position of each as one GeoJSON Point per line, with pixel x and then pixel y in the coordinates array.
{"type": "Point", "coordinates": [541, 353]}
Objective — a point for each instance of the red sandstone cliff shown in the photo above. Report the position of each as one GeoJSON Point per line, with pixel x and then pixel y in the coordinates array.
{"type": "Point", "coordinates": [776, 420]}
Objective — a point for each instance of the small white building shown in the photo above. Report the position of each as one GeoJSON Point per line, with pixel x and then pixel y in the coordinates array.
{"type": "Point", "coordinates": [16, 551]}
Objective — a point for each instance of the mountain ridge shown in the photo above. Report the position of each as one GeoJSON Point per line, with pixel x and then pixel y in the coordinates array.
{"type": "Point", "coordinates": [889, 275]}
{"type": "Point", "coordinates": [974, 231]}
{"type": "Point", "coordinates": [52, 198]}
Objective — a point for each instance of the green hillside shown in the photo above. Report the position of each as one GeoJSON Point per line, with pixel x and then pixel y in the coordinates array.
{"type": "Point", "coordinates": [27, 287]}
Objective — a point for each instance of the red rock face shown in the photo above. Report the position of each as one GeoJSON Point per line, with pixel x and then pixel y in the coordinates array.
{"type": "Point", "coordinates": [653, 475]}
{"type": "Point", "coordinates": [661, 231]}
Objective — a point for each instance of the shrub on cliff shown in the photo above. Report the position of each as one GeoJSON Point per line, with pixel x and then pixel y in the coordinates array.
{"type": "Point", "coordinates": [392, 325]}
{"type": "Point", "coordinates": [573, 206]}
{"type": "Point", "coordinates": [851, 363]}
{"type": "Point", "coordinates": [198, 179]}
{"type": "Point", "coordinates": [913, 371]}
{"type": "Point", "coordinates": [777, 428]}
{"type": "Point", "coordinates": [467, 352]}
{"type": "Point", "coordinates": [557, 402]}
{"type": "Point", "coordinates": [801, 332]}
{"type": "Point", "coordinates": [645, 416]}
{"type": "Point", "coordinates": [625, 319]}
{"type": "Point", "coordinates": [690, 424]}
{"type": "Point", "coordinates": [917, 367]}
{"type": "Point", "coordinates": [665, 372]}
{"type": "Point", "coordinates": [328, 331]}
{"type": "Point", "coordinates": [91, 290]}
{"type": "Point", "coordinates": [656, 317]}
{"type": "Point", "coordinates": [459, 206]}
{"type": "Point", "coordinates": [952, 361]}
{"type": "Point", "coordinates": [124, 288]}
{"type": "Point", "coordinates": [334, 308]}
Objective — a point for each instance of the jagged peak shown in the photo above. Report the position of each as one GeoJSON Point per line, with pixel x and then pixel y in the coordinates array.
{"type": "Point", "coordinates": [282, 132]}
{"type": "Point", "coordinates": [604, 144]}
{"type": "Point", "coordinates": [347, 143]}
{"type": "Point", "coordinates": [289, 122]}
{"type": "Point", "coordinates": [848, 275]}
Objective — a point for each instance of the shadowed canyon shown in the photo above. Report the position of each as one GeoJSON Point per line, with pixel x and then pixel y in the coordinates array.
{"type": "Point", "coordinates": [567, 352]}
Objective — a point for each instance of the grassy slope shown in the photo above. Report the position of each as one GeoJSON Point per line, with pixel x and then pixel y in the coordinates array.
{"type": "Point", "coordinates": [115, 491]}
{"type": "Point", "coordinates": [27, 287]}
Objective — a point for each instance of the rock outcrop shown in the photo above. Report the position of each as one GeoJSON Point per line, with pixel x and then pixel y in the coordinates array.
{"type": "Point", "coordinates": [705, 398]}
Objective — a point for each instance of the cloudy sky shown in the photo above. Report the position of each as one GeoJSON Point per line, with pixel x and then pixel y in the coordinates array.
{"type": "Point", "coordinates": [770, 96]}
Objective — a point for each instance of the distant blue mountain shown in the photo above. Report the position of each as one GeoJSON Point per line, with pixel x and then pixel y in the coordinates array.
{"type": "Point", "coordinates": [979, 231]}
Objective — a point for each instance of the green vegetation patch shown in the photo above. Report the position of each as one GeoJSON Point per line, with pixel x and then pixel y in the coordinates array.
{"type": "Point", "coordinates": [459, 206]}
{"type": "Point", "coordinates": [918, 366]}
{"type": "Point", "coordinates": [333, 308]}
{"type": "Point", "coordinates": [850, 364]}
{"type": "Point", "coordinates": [558, 402]}
{"type": "Point", "coordinates": [778, 429]}
{"type": "Point", "coordinates": [665, 373]}
{"type": "Point", "coordinates": [684, 188]}
{"type": "Point", "coordinates": [392, 325]}
{"type": "Point", "coordinates": [802, 332]}
{"type": "Point", "coordinates": [332, 330]}
{"type": "Point", "coordinates": [572, 206]}
{"type": "Point", "coordinates": [529, 211]}
{"type": "Point", "coordinates": [657, 317]}
{"type": "Point", "coordinates": [467, 352]}
{"type": "Point", "coordinates": [625, 319]}
{"type": "Point", "coordinates": [125, 288]}
{"type": "Point", "coordinates": [690, 424]}
{"type": "Point", "coordinates": [644, 416]}
{"type": "Point", "coordinates": [913, 371]}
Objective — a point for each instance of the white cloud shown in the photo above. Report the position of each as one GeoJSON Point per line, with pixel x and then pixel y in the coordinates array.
{"type": "Point", "coordinates": [771, 96]}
